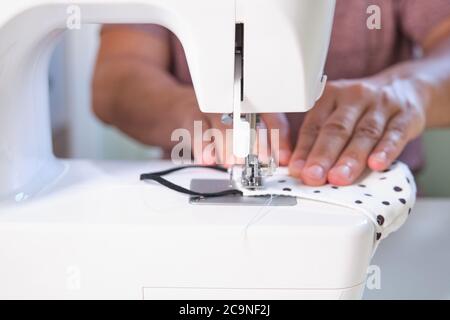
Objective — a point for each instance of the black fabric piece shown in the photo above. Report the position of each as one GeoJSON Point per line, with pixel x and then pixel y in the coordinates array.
{"type": "Point", "coordinates": [158, 177]}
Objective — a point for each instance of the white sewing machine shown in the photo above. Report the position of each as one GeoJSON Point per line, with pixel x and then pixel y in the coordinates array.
{"type": "Point", "coordinates": [84, 229]}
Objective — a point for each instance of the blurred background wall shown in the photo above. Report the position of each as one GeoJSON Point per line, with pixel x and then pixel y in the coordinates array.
{"type": "Point", "coordinates": [78, 134]}
{"type": "Point", "coordinates": [435, 179]}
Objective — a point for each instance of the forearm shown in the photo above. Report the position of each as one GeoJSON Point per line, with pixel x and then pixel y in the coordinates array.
{"type": "Point", "coordinates": [137, 97]}
{"type": "Point", "coordinates": [429, 78]}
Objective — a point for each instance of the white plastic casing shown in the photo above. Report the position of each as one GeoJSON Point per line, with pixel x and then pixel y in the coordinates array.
{"type": "Point", "coordinates": [285, 46]}
{"type": "Point", "coordinates": [99, 233]}
{"type": "Point", "coordinates": [29, 30]}
{"type": "Point", "coordinates": [74, 235]}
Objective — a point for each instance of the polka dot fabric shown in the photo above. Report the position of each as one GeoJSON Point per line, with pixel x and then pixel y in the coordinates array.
{"type": "Point", "coordinates": [387, 198]}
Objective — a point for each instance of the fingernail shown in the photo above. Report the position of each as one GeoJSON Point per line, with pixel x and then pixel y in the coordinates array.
{"type": "Point", "coordinates": [315, 172]}
{"type": "Point", "coordinates": [380, 157]}
{"type": "Point", "coordinates": [344, 172]}
{"type": "Point", "coordinates": [299, 165]}
{"type": "Point", "coordinates": [284, 156]}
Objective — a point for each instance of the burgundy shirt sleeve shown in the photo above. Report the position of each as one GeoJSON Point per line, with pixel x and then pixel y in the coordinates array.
{"type": "Point", "coordinates": [419, 17]}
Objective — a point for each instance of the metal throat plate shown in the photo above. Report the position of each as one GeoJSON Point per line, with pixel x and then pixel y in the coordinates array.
{"type": "Point", "coordinates": [214, 185]}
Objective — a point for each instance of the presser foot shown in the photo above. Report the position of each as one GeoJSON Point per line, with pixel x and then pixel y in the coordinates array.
{"type": "Point", "coordinates": [254, 172]}
{"type": "Point", "coordinates": [217, 185]}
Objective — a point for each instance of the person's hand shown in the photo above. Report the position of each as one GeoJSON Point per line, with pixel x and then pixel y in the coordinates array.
{"type": "Point", "coordinates": [357, 124]}
{"type": "Point", "coordinates": [222, 153]}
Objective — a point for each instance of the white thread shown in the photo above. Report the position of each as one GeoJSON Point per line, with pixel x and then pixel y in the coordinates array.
{"type": "Point", "coordinates": [262, 213]}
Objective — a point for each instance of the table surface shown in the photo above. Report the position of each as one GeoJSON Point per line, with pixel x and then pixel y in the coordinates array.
{"type": "Point", "coordinates": [414, 262]}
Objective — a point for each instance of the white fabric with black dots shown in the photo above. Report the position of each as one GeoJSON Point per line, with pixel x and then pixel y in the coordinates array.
{"type": "Point", "coordinates": [387, 198]}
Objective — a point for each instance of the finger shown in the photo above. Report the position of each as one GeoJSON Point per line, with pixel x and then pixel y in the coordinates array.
{"type": "Point", "coordinates": [333, 137]}
{"type": "Point", "coordinates": [266, 140]}
{"type": "Point", "coordinates": [280, 143]}
{"type": "Point", "coordinates": [308, 134]}
{"type": "Point", "coordinates": [204, 135]}
{"type": "Point", "coordinates": [353, 160]}
{"type": "Point", "coordinates": [393, 142]}
{"type": "Point", "coordinates": [310, 130]}
{"type": "Point", "coordinates": [215, 151]}
{"type": "Point", "coordinates": [223, 143]}
{"type": "Point", "coordinates": [228, 158]}
{"type": "Point", "coordinates": [197, 128]}
{"type": "Point", "coordinates": [209, 147]}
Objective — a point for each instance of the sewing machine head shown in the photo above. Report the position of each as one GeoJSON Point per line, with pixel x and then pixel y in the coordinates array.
{"type": "Point", "coordinates": [245, 57]}
{"type": "Point", "coordinates": [280, 53]}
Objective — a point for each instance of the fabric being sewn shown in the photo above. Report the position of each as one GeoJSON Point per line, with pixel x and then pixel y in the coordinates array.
{"type": "Point", "coordinates": [387, 197]}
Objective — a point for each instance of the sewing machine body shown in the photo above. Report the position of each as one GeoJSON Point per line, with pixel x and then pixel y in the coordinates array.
{"type": "Point", "coordinates": [81, 229]}
{"type": "Point", "coordinates": [284, 47]}
{"type": "Point", "coordinates": [97, 232]}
